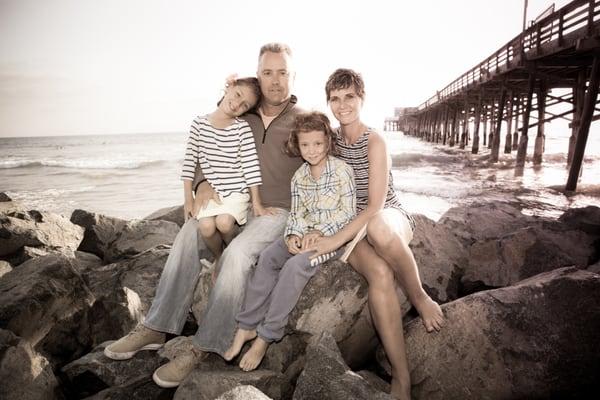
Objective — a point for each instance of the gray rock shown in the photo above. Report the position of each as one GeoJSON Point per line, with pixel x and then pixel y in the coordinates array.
{"type": "Point", "coordinates": [482, 221]}
{"type": "Point", "coordinates": [4, 197]}
{"type": "Point", "coordinates": [244, 392]}
{"type": "Point", "coordinates": [172, 214]}
{"type": "Point", "coordinates": [142, 388]}
{"type": "Point", "coordinates": [326, 376]}
{"type": "Point", "coordinates": [594, 268]}
{"type": "Point", "coordinates": [113, 239]}
{"type": "Point", "coordinates": [95, 372]}
{"type": "Point", "coordinates": [24, 373]}
{"type": "Point", "coordinates": [503, 261]}
{"type": "Point", "coordinates": [138, 236]}
{"type": "Point", "coordinates": [586, 219]}
{"type": "Point", "coordinates": [124, 292]}
{"type": "Point", "coordinates": [207, 382]}
{"type": "Point", "coordinates": [50, 232]}
{"type": "Point", "coordinates": [536, 339]}
{"type": "Point", "coordinates": [332, 301]}
{"type": "Point", "coordinates": [5, 268]}
{"type": "Point", "coordinates": [40, 298]}
{"type": "Point", "coordinates": [440, 256]}
{"type": "Point", "coordinates": [100, 231]}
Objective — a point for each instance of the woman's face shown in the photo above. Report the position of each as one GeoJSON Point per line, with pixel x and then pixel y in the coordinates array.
{"type": "Point", "coordinates": [345, 105]}
{"type": "Point", "coordinates": [237, 100]}
{"type": "Point", "coordinates": [313, 147]}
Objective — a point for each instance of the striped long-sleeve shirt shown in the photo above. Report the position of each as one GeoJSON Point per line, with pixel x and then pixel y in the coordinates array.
{"type": "Point", "coordinates": [226, 156]}
{"type": "Point", "coordinates": [326, 204]}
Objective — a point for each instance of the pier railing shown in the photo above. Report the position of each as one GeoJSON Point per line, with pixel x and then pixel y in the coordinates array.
{"type": "Point", "coordinates": [548, 34]}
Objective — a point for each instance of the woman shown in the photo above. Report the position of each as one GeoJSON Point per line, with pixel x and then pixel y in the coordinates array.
{"type": "Point", "coordinates": [382, 229]}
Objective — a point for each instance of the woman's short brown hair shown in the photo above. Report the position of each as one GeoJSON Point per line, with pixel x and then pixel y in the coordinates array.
{"type": "Point", "coordinates": [343, 78]}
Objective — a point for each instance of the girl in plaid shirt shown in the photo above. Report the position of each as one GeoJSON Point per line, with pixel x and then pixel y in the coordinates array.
{"type": "Point", "coordinates": [323, 202]}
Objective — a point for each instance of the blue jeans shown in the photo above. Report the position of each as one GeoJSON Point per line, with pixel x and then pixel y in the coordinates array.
{"type": "Point", "coordinates": [175, 291]}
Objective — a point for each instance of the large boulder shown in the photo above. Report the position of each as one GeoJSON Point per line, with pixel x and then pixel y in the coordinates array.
{"type": "Point", "coordinates": [100, 231]}
{"type": "Point", "coordinates": [528, 251]}
{"type": "Point", "coordinates": [123, 293]}
{"type": "Point", "coordinates": [243, 392]}
{"type": "Point", "coordinates": [138, 236]}
{"type": "Point", "coordinates": [536, 339]}
{"type": "Point", "coordinates": [95, 372]}
{"type": "Point", "coordinates": [5, 268]}
{"type": "Point", "coordinates": [332, 301]}
{"type": "Point", "coordinates": [207, 382]}
{"type": "Point", "coordinates": [586, 219]}
{"type": "Point", "coordinates": [172, 214]}
{"type": "Point", "coordinates": [141, 388]}
{"type": "Point", "coordinates": [441, 258]}
{"type": "Point", "coordinates": [482, 221]}
{"type": "Point", "coordinates": [24, 373]}
{"type": "Point", "coordinates": [40, 230]}
{"type": "Point", "coordinates": [326, 376]}
{"type": "Point", "coordinates": [113, 239]}
{"type": "Point", "coordinates": [40, 299]}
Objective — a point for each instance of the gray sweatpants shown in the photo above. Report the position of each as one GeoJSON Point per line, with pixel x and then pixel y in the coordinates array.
{"type": "Point", "coordinates": [175, 291]}
{"type": "Point", "coordinates": [275, 287]}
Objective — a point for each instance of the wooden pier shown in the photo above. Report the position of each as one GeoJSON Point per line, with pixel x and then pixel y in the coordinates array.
{"type": "Point", "coordinates": [514, 85]}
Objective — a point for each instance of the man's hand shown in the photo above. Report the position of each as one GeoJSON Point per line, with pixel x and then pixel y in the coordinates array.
{"type": "Point", "coordinates": [293, 244]}
{"type": "Point", "coordinates": [204, 193]}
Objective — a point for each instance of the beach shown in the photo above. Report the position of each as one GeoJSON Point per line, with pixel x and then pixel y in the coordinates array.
{"type": "Point", "coordinates": [130, 176]}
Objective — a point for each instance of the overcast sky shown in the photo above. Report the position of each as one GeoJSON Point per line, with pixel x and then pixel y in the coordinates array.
{"type": "Point", "coordinates": [116, 66]}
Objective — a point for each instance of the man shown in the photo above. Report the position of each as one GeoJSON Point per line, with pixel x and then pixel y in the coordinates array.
{"type": "Point", "coordinates": [271, 126]}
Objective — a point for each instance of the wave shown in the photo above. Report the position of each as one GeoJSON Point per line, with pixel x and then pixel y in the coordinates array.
{"type": "Point", "coordinates": [81, 164]}
{"type": "Point", "coordinates": [403, 159]}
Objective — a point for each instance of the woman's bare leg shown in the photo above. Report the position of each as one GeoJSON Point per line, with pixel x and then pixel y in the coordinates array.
{"type": "Point", "coordinates": [391, 246]}
{"type": "Point", "coordinates": [385, 312]}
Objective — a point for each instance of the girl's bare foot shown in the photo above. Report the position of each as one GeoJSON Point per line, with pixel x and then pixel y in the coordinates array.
{"type": "Point", "coordinates": [431, 313]}
{"type": "Point", "coordinates": [254, 356]}
{"type": "Point", "coordinates": [241, 337]}
{"type": "Point", "coordinates": [399, 391]}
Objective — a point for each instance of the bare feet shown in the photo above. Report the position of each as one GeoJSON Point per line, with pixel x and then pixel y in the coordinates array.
{"type": "Point", "coordinates": [254, 356]}
{"type": "Point", "coordinates": [241, 337]}
{"type": "Point", "coordinates": [431, 313]}
{"type": "Point", "coordinates": [400, 391]}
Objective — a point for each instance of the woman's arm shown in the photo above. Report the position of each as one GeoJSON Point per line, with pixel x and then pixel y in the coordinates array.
{"type": "Point", "coordinates": [379, 166]}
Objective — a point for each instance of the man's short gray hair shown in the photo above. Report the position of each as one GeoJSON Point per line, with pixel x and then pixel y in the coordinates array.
{"type": "Point", "coordinates": [275, 48]}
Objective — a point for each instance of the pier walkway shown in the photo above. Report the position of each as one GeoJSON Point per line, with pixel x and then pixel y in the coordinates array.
{"type": "Point", "coordinates": [513, 89]}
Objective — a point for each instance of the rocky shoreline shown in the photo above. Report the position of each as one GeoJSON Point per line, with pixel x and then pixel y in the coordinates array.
{"type": "Point", "coordinates": [521, 295]}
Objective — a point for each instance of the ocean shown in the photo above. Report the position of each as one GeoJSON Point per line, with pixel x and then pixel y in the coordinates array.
{"type": "Point", "coordinates": [132, 175]}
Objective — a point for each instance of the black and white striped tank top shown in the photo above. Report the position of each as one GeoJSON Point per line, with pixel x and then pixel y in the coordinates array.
{"type": "Point", "coordinates": [356, 155]}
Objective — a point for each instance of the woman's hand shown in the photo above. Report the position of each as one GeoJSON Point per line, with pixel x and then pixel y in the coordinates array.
{"type": "Point", "coordinates": [293, 243]}
{"type": "Point", "coordinates": [323, 245]}
{"type": "Point", "coordinates": [310, 238]}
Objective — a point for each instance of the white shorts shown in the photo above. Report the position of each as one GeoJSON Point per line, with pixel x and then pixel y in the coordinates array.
{"type": "Point", "coordinates": [236, 205]}
{"type": "Point", "coordinates": [397, 219]}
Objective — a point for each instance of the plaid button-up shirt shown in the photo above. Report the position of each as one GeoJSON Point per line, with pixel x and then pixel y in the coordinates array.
{"type": "Point", "coordinates": [325, 204]}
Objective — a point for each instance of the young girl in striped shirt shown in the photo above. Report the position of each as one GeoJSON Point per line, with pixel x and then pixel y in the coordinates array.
{"type": "Point", "coordinates": [323, 201]}
{"type": "Point", "coordinates": [222, 145]}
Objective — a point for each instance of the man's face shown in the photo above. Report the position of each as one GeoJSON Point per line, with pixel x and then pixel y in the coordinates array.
{"type": "Point", "coordinates": [275, 77]}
